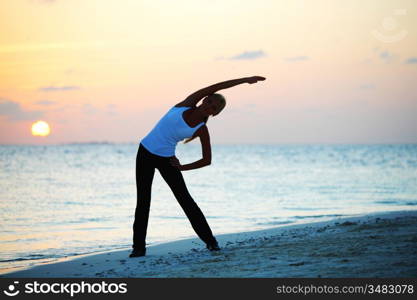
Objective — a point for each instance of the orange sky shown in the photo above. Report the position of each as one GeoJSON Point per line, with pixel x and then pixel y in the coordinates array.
{"type": "Point", "coordinates": [106, 70]}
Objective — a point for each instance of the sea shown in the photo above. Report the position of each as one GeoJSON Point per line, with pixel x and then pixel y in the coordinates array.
{"type": "Point", "coordinates": [64, 200]}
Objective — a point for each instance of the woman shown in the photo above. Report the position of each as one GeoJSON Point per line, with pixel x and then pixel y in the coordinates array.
{"type": "Point", "coordinates": [185, 120]}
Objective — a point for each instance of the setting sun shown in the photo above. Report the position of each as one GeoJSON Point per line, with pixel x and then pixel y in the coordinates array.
{"type": "Point", "coordinates": [40, 128]}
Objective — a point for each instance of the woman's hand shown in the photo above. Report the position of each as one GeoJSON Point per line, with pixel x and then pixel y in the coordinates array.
{"type": "Point", "coordinates": [175, 162]}
{"type": "Point", "coordinates": [255, 79]}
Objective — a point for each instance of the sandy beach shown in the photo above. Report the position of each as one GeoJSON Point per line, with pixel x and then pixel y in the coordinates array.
{"type": "Point", "coordinates": [378, 245]}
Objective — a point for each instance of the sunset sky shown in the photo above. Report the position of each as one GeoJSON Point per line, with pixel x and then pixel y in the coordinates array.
{"type": "Point", "coordinates": [107, 70]}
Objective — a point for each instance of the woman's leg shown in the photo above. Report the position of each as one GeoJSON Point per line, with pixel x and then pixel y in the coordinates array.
{"type": "Point", "coordinates": [145, 171]}
{"type": "Point", "coordinates": [176, 182]}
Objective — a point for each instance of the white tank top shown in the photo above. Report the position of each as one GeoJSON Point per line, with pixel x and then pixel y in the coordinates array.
{"type": "Point", "coordinates": [171, 129]}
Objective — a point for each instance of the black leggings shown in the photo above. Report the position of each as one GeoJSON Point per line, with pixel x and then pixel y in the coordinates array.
{"type": "Point", "coordinates": [146, 163]}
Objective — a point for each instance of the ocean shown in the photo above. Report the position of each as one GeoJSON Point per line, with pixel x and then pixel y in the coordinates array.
{"type": "Point", "coordinates": [65, 200]}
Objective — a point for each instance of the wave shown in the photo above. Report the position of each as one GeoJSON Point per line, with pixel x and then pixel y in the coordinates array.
{"type": "Point", "coordinates": [318, 216]}
{"type": "Point", "coordinates": [397, 202]}
{"type": "Point", "coordinates": [30, 257]}
{"type": "Point", "coordinates": [275, 223]}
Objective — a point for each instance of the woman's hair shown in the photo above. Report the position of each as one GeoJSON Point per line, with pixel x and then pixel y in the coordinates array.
{"type": "Point", "coordinates": [222, 102]}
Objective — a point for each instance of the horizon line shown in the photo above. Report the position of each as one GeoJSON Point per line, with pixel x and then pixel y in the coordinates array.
{"type": "Point", "coordinates": [219, 144]}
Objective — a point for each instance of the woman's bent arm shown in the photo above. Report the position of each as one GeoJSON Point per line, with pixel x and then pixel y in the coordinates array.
{"type": "Point", "coordinates": [195, 165]}
{"type": "Point", "coordinates": [203, 133]}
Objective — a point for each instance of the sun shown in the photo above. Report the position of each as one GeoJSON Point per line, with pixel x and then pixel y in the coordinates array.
{"type": "Point", "coordinates": [40, 128]}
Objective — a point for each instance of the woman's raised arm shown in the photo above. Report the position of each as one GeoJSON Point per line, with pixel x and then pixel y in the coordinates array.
{"type": "Point", "coordinates": [195, 97]}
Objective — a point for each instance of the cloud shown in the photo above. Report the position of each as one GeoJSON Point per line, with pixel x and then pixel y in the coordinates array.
{"type": "Point", "coordinates": [297, 58]}
{"type": "Point", "coordinates": [411, 60]}
{"type": "Point", "coordinates": [111, 109]}
{"type": "Point", "coordinates": [249, 55]}
{"type": "Point", "coordinates": [59, 88]}
{"type": "Point", "coordinates": [387, 56]}
{"type": "Point", "coordinates": [14, 112]}
{"type": "Point", "coordinates": [367, 86]}
{"type": "Point", "coordinates": [29, 47]}
{"type": "Point", "coordinates": [69, 72]}
{"type": "Point", "coordinates": [46, 102]}
{"type": "Point", "coordinates": [89, 109]}
{"type": "Point", "coordinates": [44, 1]}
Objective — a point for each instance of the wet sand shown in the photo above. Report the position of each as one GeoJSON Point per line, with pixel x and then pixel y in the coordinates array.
{"type": "Point", "coordinates": [380, 245]}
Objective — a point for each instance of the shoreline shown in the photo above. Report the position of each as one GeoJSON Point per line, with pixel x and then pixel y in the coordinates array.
{"type": "Point", "coordinates": [382, 244]}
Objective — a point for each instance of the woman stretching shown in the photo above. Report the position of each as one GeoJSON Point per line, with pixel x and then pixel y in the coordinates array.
{"type": "Point", "coordinates": [187, 121]}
